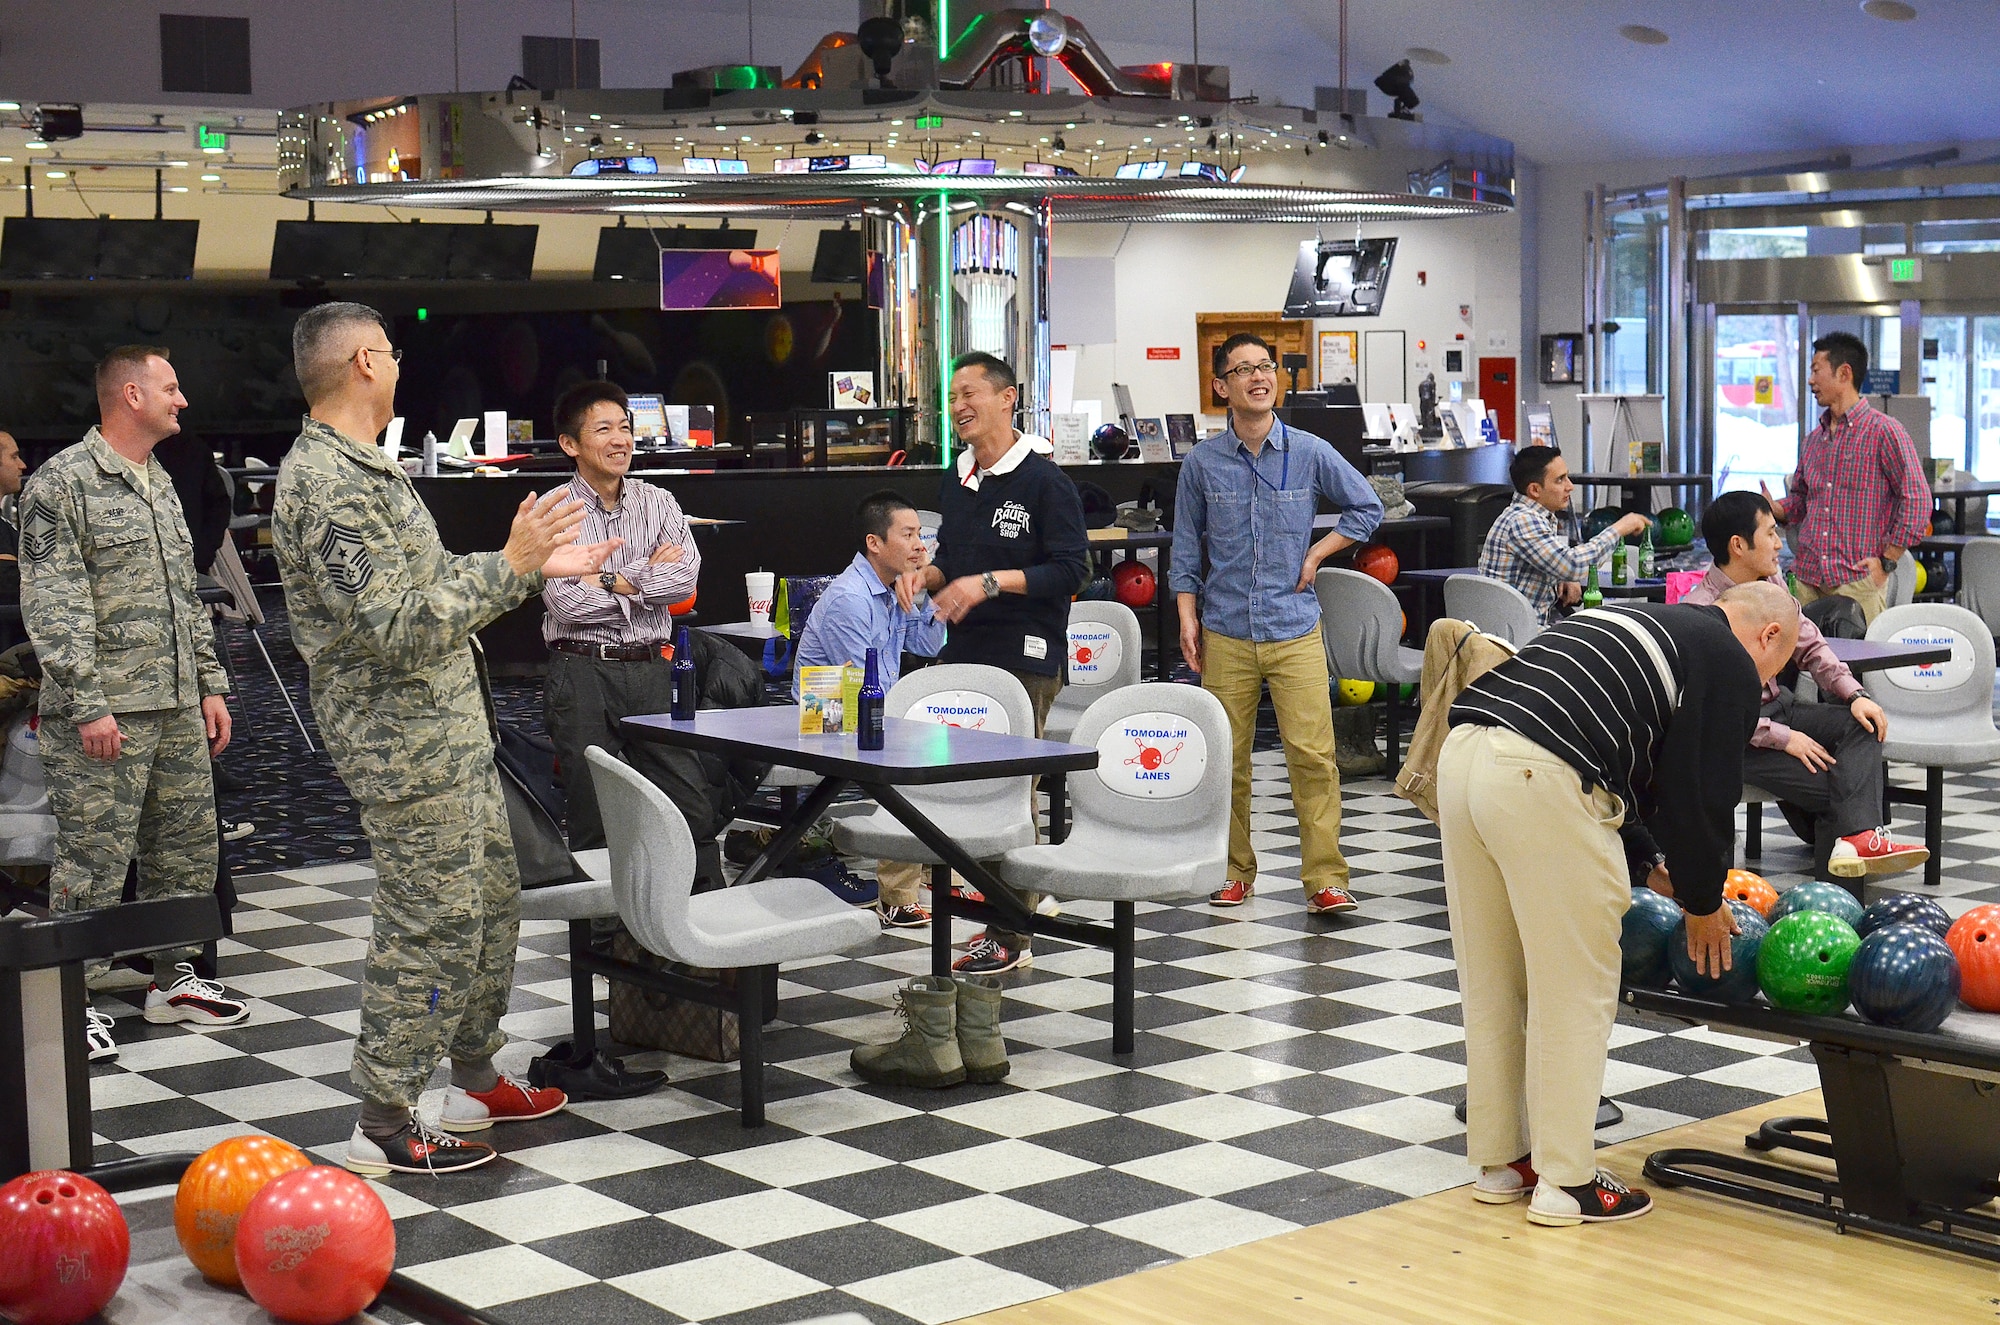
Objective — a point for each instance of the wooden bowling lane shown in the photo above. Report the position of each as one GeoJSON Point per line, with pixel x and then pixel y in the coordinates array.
{"type": "Point", "coordinates": [1448, 1258]}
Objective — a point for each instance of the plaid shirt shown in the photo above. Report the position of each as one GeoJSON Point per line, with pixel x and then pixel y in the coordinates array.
{"type": "Point", "coordinates": [1858, 489]}
{"type": "Point", "coordinates": [1529, 548]}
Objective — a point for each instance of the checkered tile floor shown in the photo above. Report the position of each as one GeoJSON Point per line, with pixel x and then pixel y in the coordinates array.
{"type": "Point", "coordinates": [1289, 1070]}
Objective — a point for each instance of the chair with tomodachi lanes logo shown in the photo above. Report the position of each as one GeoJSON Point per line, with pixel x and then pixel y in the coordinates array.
{"type": "Point", "coordinates": [1940, 716]}
{"type": "Point", "coordinates": [1104, 648]}
{"type": "Point", "coordinates": [1151, 821]}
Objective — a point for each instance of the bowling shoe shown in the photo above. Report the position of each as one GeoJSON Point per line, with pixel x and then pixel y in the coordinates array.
{"type": "Point", "coordinates": [414, 1149]}
{"type": "Point", "coordinates": [1602, 1200]}
{"type": "Point", "coordinates": [1872, 852]}
{"type": "Point", "coordinates": [1505, 1183]}
{"type": "Point", "coordinates": [510, 1101]}
{"type": "Point", "coordinates": [192, 999]}
{"type": "Point", "coordinates": [97, 1035]}
{"type": "Point", "coordinates": [990, 956]}
{"type": "Point", "coordinates": [1330, 901]}
{"type": "Point", "coordinates": [903, 917]}
{"type": "Point", "coordinates": [1232, 893]}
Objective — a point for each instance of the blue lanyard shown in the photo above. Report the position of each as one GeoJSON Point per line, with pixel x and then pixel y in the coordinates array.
{"type": "Point", "coordinates": [1284, 472]}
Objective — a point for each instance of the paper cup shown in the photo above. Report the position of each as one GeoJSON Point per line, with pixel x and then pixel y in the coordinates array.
{"type": "Point", "coordinates": [762, 586]}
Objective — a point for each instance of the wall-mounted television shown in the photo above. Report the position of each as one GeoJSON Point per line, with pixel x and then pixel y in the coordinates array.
{"type": "Point", "coordinates": [65, 248]}
{"type": "Point", "coordinates": [1340, 278]}
{"type": "Point", "coordinates": [698, 278]}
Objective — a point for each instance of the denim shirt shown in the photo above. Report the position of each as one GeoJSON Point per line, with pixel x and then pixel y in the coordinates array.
{"type": "Point", "coordinates": [858, 612]}
{"type": "Point", "coordinates": [1243, 524]}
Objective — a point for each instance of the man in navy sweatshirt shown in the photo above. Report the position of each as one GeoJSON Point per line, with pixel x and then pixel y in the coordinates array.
{"type": "Point", "coordinates": [1011, 553]}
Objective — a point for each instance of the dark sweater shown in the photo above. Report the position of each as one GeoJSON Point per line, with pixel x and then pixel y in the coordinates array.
{"type": "Point", "coordinates": [1029, 519]}
{"type": "Point", "coordinates": [1595, 691]}
{"type": "Point", "coordinates": [203, 492]}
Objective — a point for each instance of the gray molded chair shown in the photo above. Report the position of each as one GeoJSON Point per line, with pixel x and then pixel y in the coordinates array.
{"type": "Point", "coordinates": [1979, 580]}
{"type": "Point", "coordinates": [1361, 624]}
{"type": "Point", "coordinates": [1754, 801]}
{"type": "Point", "coordinates": [987, 818]}
{"type": "Point", "coordinates": [1126, 846]}
{"type": "Point", "coordinates": [1939, 717]}
{"type": "Point", "coordinates": [1093, 675]}
{"type": "Point", "coordinates": [27, 825]}
{"type": "Point", "coordinates": [749, 929]}
{"type": "Point", "coordinates": [1495, 606]}
{"type": "Point", "coordinates": [1902, 586]}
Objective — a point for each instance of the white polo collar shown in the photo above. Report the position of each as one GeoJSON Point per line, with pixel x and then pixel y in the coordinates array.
{"type": "Point", "coordinates": [1025, 444]}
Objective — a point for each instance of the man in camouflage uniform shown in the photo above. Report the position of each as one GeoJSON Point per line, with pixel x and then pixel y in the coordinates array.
{"type": "Point", "coordinates": [131, 698]}
{"type": "Point", "coordinates": [384, 617]}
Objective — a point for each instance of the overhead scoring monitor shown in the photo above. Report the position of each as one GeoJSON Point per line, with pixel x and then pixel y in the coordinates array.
{"type": "Point", "coordinates": [1340, 278]}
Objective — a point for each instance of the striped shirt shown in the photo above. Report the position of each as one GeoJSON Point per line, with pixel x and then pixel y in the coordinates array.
{"type": "Point", "coordinates": [647, 518]}
{"type": "Point", "coordinates": [1655, 704]}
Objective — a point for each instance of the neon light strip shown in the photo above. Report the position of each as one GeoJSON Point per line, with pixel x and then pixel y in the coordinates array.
{"type": "Point", "coordinates": [943, 322]}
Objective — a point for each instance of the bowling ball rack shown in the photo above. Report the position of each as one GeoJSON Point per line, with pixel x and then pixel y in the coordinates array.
{"type": "Point", "coordinates": [42, 1001]}
{"type": "Point", "coordinates": [1912, 1125]}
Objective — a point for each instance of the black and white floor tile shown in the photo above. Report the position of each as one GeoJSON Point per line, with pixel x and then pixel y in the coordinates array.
{"type": "Point", "coordinates": [1289, 1070]}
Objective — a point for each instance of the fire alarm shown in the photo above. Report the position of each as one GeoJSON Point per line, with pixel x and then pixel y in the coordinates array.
{"type": "Point", "coordinates": [1423, 278]}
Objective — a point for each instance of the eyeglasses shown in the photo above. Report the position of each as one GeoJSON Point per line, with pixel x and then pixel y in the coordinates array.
{"type": "Point", "coordinates": [395, 355]}
{"type": "Point", "coordinates": [1243, 372]}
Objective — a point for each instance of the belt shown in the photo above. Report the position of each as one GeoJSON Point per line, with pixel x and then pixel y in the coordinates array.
{"type": "Point", "coordinates": [660, 652]}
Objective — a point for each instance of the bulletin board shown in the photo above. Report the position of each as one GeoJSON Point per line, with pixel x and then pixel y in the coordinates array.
{"type": "Point", "coordinates": [1286, 335]}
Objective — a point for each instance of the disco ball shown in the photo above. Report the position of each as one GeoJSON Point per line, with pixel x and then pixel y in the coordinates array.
{"type": "Point", "coordinates": [1048, 35]}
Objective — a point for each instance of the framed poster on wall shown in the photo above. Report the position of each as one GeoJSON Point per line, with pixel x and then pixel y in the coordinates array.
{"type": "Point", "coordinates": [1339, 358]}
{"type": "Point", "coordinates": [1561, 359]}
{"type": "Point", "coordinates": [1282, 334]}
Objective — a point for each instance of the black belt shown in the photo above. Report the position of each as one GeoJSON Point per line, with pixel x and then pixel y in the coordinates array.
{"type": "Point", "coordinates": [660, 652]}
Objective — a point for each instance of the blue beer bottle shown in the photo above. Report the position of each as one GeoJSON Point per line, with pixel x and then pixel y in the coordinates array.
{"type": "Point", "coordinates": [869, 733]}
{"type": "Point", "coordinates": [687, 691]}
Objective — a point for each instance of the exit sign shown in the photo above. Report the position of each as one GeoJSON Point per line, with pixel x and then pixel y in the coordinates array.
{"type": "Point", "coordinates": [1163, 351]}
{"type": "Point", "coordinates": [930, 121]}
{"type": "Point", "coordinates": [209, 139]}
{"type": "Point", "coordinates": [1905, 271]}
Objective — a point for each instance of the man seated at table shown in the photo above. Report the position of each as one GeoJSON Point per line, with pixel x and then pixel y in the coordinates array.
{"type": "Point", "coordinates": [857, 612]}
{"type": "Point", "coordinates": [1822, 761]}
{"type": "Point", "coordinates": [1529, 547]}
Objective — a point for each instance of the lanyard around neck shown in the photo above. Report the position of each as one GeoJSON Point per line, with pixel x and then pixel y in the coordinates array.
{"type": "Point", "coordinates": [1284, 471]}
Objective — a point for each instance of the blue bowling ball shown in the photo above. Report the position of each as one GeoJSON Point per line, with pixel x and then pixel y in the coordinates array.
{"type": "Point", "coordinates": [1643, 937]}
{"type": "Point", "coordinates": [1738, 984]}
{"type": "Point", "coordinates": [1831, 898]}
{"type": "Point", "coordinates": [1904, 909]}
{"type": "Point", "coordinates": [1905, 977]}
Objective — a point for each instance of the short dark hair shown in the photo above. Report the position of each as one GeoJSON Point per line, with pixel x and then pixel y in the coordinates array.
{"type": "Point", "coordinates": [316, 342]}
{"type": "Point", "coordinates": [1732, 515]}
{"type": "Point", "coordinates": [576, 402]}
{"type": "Point", "coordinates": [1529, 464]}
{"type": "Point", "coordinates": [996, 369]}
{"type": "Point", "coordinates": [122, 365]}
{"type": "Point", "coordinates": [1844, 347]}
{"type": "Point", "coordinates": [1218, 359]}
{"type": "Point", "coordinates": [877, 512]}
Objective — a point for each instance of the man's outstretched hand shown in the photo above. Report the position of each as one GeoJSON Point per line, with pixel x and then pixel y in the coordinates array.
{"type": "Point", "coordinates": [570, 561]}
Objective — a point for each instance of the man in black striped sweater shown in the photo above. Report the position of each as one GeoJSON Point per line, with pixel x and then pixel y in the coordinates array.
{"type": "Point", "coordinates": [1624, 722]}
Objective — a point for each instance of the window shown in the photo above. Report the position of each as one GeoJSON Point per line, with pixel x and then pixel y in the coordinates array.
{"type": "Point", "coordinates": [551, 63]}
{"type": "Point", "coordinates": [201, 54]}
{"type": "Point", "coordinates": [1773, 242]}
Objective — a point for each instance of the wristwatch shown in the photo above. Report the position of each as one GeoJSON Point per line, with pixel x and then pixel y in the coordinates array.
{"type": "Point", "coordinates": [990, 585]}
{"type": "Point", "coordinates": [609, 579]}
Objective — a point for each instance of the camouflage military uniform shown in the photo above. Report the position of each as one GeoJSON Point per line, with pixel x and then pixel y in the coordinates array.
{"type": "Point", "coordinates": [108, 596]}
{"type": "Point", "coordinates": [384, 617]}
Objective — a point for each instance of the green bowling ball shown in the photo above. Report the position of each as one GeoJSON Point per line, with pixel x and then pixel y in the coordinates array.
{"type": "Point", "coordinates": [1675, 527]}
{"type": "Point", "coordinates": [1802, 963]}
{"type": "Point", "coordinates": [1815, 895]}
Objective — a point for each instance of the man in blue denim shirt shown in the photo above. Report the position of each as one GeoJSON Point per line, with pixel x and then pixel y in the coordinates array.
{"type": "Point", "coordinates": [1244, 561]}
{"type": "Point", "coordinates": [857, 612]}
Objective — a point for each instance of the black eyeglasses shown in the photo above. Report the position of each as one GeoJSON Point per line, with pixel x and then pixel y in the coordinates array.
{"type": "Point", "coordinates": [1243, 372]}
{"type": "Point", "coordinates": [395, 355]}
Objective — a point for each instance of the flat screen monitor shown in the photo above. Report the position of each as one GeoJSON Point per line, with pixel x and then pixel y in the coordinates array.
{"type": "Point", "coordinates": [700, 278]}
{"type": "Point", "coordinates": [649, 417]}
{"type": "Point", "coordinates": [92, 249]}
{"type": "Point", "coordinates": [1340, 278]}
{"type": "Point", "coordinates": [839, 258]}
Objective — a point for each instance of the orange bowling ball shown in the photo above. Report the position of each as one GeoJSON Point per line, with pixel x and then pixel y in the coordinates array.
{"type": "Point", "coordinates": [1975, 940]}
{"type": "Point", "coordinates": [1750, 889]}
{"type": "Point", "coordinates": [1378, 561]}
{"type": "Point", "coordinates": [214, 1192]}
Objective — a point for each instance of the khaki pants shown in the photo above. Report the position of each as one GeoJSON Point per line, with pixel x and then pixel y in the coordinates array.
{"type": "Point", "coordinates": [1235, 671]}
{"type": "Point", "coordinates": [1872, 598]}
{"type": "Point", "coordinates": [1536, 883]}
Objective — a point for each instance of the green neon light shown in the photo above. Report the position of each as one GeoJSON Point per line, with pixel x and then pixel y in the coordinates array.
{"type": "Point", "coordinates": [943, 29]}
{"type": "Point", "coordinates": [943, 346]}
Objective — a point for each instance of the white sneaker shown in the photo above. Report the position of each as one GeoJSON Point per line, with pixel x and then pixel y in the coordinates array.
{"type": "Point", "coordinates": [237, 832]}
{"type": "Point", "coordinates": [193, 999]}
{"type": "Point", "coordinates": [1048, 906]}
{"type": "Point", "coordinates": [97, 1035]}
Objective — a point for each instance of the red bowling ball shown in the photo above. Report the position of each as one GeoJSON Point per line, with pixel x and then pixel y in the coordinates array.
{"type": "Point", "coordinates": [315, 1246]}
{"type": "Point", "coordinates": [1133, 584]}
{"type": "Point", "coordinates": [63, 1249]}
{"type": "Point", "coordinates": [1975, 940]}
{"type": "Point", "coordinates": [1378, 561]}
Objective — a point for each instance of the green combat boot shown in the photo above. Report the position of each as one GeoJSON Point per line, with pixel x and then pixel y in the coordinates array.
{"type": "Point", "coordinates": [927, 1054]}
{"type": "Point", "coordinates": [979, 1042]}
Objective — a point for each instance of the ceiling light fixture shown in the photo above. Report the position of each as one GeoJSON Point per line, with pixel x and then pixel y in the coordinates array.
{"type": "Point", "coordinates": [1642, 35]}
{"type": "Point", "coordinates": [1427, 55]}
{"type": "Point", "coordinates": [1890, 11]}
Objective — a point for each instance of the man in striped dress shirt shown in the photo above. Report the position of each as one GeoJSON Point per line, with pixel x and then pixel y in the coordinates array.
{"type": "Point", "coordinates": [1620, 721]}
{"type": "Point", "coordinates": [610, 635]}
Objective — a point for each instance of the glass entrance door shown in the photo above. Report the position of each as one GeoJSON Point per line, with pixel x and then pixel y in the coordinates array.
{"type": "Point", "coordinates": [1946, 382]}
{"type": "Point", "coordinates": [1986, 397]}
{"type": "Point", "coordinates": [1756, 422]}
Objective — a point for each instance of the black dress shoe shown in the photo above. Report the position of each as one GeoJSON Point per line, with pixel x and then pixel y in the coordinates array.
{"type": "Point", "coordinates": [224, 779]}
{"type": "Point", "coordinates": [601, 1078]}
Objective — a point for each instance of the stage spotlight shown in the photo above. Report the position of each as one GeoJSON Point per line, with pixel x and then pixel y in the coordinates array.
{"type": "Point", "coordinates": [1396, 83]}
{"type": "Point", "coordinates": [881, 41]}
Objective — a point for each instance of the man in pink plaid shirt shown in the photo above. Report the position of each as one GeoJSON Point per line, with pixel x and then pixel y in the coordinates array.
{"type": "Point", "coordinates": [1859, 496]}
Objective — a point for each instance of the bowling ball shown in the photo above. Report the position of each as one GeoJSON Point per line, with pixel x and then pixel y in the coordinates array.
{"type": "Point", "coordinates": [1738, 984]}
{"type": "Point", "coordinates": [1110, 442]}
{"type": "Point", "coordinates": [214, 1191]}
{"type": "Point", "coordinates": [1923, 578]}
{"type": "Point", "coordinates": [1974, 939]}
{"type": "Point", "coordinates": [1674, 528]}
{"type": "Point", "coordinates": [1378, 561]}
{"type": "Point", "coordinates": [66, 1248]}
{"type": "Point", "coordinates": [1904, 909]}
{"type": "Point", "coordinates": [1802, 965]}
{"type": "Point", "coordinates": [1905, 977]}
{"type": "Point", "coordinates": [1943, 524]}
{"type": "Point", "coordinates": [1643, 937]}
{"type": "Point", "coordinates": [1356, 692]}
{"type": "Point", "coordinates": [1099, 590]}
{"type": "Point", "coordinates": [1600, 520]}
{"type": "Point", "coordinates": [1830, 898]}
{"type": "Point", "coordinates": [1133, 584]}
{"type": "Point", "coordinates": [1743, 886]}
{"type": "Point", "coordinates": [315, 1246]}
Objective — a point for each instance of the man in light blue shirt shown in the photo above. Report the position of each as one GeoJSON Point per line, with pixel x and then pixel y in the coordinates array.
{"type": "Point", "coordinates": [1243, 566]}
{"type": "Point", "coordinates": [857, 612]}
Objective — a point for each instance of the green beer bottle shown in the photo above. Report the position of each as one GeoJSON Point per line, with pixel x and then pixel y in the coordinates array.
{"type": "Point", "coordinates": [1621, 565]}
{"type": "Point", "coordinates": [1647, 566]}
{"type": "Point", "coordinates": [1592, 595]}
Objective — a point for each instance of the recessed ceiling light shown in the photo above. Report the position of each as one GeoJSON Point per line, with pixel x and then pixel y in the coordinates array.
{"type": "Point", "coordinates": [1643, 35]}
{"type": "Point", "coordinates": [1425, 55]}
{"type": "Point", "coordinates": [1891, 11]}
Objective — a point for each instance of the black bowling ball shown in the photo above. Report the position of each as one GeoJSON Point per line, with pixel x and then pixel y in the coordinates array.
{"type": "Point", "coordinates": [1110, 442]}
